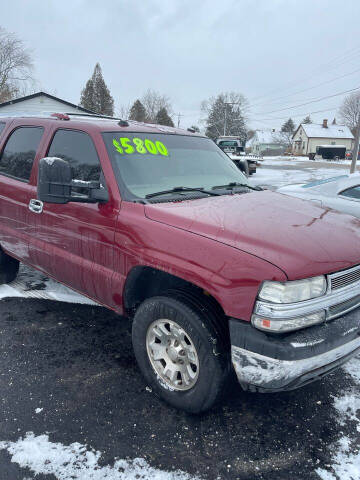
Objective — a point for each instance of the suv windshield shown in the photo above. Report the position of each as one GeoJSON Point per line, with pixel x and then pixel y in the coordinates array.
{"type": "Point", "coordinates": [146, 163]}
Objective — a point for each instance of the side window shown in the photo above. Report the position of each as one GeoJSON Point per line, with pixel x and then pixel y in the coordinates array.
{"type": "Point", "coordinates": [19, 153]}
{"type": "Point", "coordinates": [78, 149]}
{"type": "Point", "coordinates": [353, 192]}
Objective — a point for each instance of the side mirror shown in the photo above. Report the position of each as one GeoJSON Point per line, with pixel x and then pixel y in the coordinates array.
{"type": "Point", "coordinates": [54, 180]}
{"type": "Point", "coordinates": [55, 184]}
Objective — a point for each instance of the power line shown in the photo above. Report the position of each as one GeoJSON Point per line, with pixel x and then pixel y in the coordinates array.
{"type": "Point", "coordinates": [344, 57]}
{"type": "Point", "coordinates": [309, 88]}
{"type": "Point", "coordinates": [311, 101]}
{"type": "Point", "coordinates": [294, 116]}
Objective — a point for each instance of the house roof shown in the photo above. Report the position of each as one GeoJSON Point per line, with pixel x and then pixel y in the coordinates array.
{"type": "Point", "coordinates": [40, 94]}
{"type": "Point", "coordinates": [266, 136]}
{"type": "Point", "coordinates": [314, 130]}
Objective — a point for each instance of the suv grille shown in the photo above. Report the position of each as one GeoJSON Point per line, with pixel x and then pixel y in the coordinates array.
{"type": "Point", "coordinates": [345, 278]}
{"type": "Point", "coordinates": [344, 307]}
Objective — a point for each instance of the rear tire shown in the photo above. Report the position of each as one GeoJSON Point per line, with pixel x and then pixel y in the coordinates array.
{"type": "Point", "coordinates": [196, 321]}
{"type": "Point", "coordinates": [9, 268]}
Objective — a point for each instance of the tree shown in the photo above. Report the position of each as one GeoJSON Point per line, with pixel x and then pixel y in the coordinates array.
{"type": "Point", "coordinates": [96, 95]}
{"type": "Point", "coordinates": [163, 118]}
{"type": "Point", "coordinates": [137, 112]}
{"type": "Point", "coordinates": [287, 132]}
{"type": "Point", "coordinates": [225, 115]}
{"type": "Point", "coordinates": [123, 111]}
{"type": "Point", "coordinates": [350, 111]}
{"type": "Point", "coordinates": [153, 102]}
{"type": "Point", "coordinates": [288, 126]}
{"type": "Point", "coordinates": [15, 66]}
{"type": "Point", "coordinates": [307, 120]}
{"type": "Point", "coordinates": [249, 134]}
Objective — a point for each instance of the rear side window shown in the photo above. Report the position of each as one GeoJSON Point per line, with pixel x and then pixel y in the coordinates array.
{"type": "Point", "coordinates": [19, 153]}
{"type": "Point", "coordinates": [79, 150]}
{"type": "Point", "coordinates": [353, 192]}
{"type": "Point", "coordinates": [228, 143]}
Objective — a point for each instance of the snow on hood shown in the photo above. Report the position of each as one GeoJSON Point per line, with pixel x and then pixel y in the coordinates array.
{"type": "Point", "coordinates": [300, 237]}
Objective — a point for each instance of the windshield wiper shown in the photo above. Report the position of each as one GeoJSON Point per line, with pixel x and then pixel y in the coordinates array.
{"type": "Point", "coordinates": [182, 189]}
{"type": "Point", "coordinates": [236, 184]}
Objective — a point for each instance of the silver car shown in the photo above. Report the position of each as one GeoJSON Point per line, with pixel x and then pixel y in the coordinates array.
{"type": "Point", "coordinates": [340, 193]}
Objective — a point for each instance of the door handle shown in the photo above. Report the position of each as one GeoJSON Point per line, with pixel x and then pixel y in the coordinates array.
{"type": "Point", "coordinates": [36, 206]}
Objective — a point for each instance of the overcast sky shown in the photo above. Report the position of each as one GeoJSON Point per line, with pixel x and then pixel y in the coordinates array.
{"type": "Point", "coordinates": [191, 50]}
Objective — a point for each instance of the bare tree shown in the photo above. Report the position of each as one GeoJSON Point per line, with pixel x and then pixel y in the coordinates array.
{"type": "Point", "coordinates": [153, 103]}
{"type": "Point", "coordinates": [123, 111]}
{"type": "Point", "coordinates": [283, 138]}
{"type": "Point", "coordinates": [350, 111]}
{"type": "Point", "coordinates": [15, 66]}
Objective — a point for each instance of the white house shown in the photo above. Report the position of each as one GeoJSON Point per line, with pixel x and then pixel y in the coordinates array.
{"type": "Point", "coordinates": [266, 142]}
{"type": "Point", "coordinates": [308, 136]}
{"type": "Point", "coordinates": [40, 102]}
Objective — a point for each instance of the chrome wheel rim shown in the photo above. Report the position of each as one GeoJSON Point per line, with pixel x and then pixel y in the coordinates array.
{"type": "Point", "coordinates": [172, 355]}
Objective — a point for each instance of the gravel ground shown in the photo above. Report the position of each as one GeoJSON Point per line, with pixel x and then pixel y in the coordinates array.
{"type": "Point", "coordinates": [76, 364]}
{"type": "Point", "coordinates": [68, 372]}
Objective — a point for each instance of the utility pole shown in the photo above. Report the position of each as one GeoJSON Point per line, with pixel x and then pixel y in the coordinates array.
{"type": "Point", "coordinates": [356, 148]}
{"type": "Point", "coordinates": [179, 115]}
{"type": "Point", "coordinates": [226, 104]}
{"type": "Point", "coordinates": [225, 120]}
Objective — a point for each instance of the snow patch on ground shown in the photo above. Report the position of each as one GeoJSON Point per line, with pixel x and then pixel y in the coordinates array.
{"type": "Point", "coordinates": [347, 465]}
{"type": "Point", "coordinates": [77, 462]}
{"type": "Point", "coordinates": [347, 458]}
{"type": "Point", "coordinates": [32, 284]}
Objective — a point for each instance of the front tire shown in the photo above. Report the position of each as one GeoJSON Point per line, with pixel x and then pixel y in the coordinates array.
{"type": "Point", "coordinates": [9, 268]}
{"type": "Point", "coordinates": [181, 352]}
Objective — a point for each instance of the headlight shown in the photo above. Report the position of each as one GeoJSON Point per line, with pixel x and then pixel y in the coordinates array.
{"type": "Point", "coordinates": [287, 324]}
{"type": "Point", "coordinates": [294, 291]}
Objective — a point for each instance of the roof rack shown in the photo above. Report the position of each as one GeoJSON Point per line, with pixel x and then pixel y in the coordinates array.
{"type": "Point", "coordinates": [95, 115]}
{"type": "Point", "coordinates": [62, 116]}
{"type": "Point", "coordinates": [27, 114]}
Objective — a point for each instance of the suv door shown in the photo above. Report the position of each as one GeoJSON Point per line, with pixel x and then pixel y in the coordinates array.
{"type": "Point", "coordinates": [75, 240]}
{"type": "Point", "coordinates": [17, 188]}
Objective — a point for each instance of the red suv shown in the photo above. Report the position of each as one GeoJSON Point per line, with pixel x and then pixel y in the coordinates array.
{"type": "Point", "coordinates": [159, 224]}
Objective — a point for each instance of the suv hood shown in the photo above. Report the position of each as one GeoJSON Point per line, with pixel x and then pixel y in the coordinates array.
{"type": "Point", "coordinates": [298, 236]}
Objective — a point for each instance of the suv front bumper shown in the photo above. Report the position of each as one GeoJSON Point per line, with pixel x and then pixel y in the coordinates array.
{"type": "Point", "coordinates": [271, 362]}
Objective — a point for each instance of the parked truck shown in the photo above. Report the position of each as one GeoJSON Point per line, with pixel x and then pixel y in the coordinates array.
{"type": "Point", "coordinates": [329, 152]}
{"type": "Point", "coordinates": [219, 277]}
{"type": "Point", "coordinates": [235, 148]}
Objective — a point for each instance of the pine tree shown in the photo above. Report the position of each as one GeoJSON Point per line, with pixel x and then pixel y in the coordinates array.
{"type": "Point", "coordinates": [162, 118]}
{"type": "Point", "coordinates": [96, 95]}
{"type": "Point", "coordinates": [287, 131]}
{"type": "Point", "coordinates": [225, 115]}
{"type": "Point", "coordinates": [288, 127]}
{"type": "Point", "coordinates": [137, 112]}
{"type": "Point", "coordinates": [334, 121]}
{"type": "Point", "coordinates": [307, 120]}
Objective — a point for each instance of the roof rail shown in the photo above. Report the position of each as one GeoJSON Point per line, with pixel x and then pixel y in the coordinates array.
{"type": "Point", "coordinates": [95, 115]}
{"type": "Point", "coordinates": [27, 114]}
{"type": "Point", "coordinates": [59, 115]}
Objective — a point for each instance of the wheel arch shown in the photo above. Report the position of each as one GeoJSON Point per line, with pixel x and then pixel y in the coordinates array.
{"type": "Point", "coordinates": [143, 282]}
